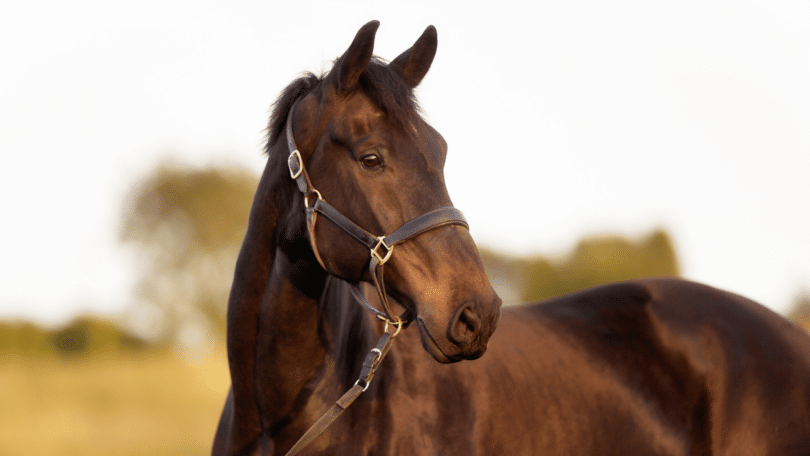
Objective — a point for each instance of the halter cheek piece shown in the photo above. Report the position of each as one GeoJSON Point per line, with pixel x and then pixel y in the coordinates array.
{"type": "Point", "coordinates": [380, 247]}
{"type": "Point", "coordinates": [380, 250]}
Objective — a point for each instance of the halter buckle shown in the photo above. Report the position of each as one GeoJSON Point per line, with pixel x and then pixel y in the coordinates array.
{"type": "Point", "coordinates": [364, 385]}
{"type": "Point", "coordinates": [295, 163]}
{"type": "Point", "coordinates": [306, 198]}
{"type": "Point", "coordinates": [388, 250]}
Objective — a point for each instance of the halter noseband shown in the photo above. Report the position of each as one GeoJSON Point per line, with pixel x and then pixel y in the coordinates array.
{"type": "Point", "coordinates": [380, 247]}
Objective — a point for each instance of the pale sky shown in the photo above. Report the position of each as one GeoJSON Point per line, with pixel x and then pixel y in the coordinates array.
{"type": "Point", "coordinates": [565, 119]}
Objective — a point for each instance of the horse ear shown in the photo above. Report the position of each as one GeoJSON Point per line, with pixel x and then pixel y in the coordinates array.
{"type": "Point", "coordinates": [352, 63]}
{"type": "Point", "coordinates": [414, 63]}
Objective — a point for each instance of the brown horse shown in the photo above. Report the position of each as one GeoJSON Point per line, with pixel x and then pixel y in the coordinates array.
{"type": "Point", "coordinates": [658, 366]}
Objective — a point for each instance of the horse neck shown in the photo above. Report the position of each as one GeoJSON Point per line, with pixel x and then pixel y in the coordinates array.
{"type": "Point", "coordinates": [285, 320]}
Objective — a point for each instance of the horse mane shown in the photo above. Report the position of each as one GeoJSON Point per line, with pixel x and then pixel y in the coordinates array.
{"type": "Point", "coordinates": [383, 85]}
{"type": "Point", "coordinates": [296, 90]}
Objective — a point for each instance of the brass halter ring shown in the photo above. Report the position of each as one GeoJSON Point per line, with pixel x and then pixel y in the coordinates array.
{"type": "Point", "coordinates": [398, 324]}
{"type": "Point", "coordinates": [306, 200]}
{"type": "Point", "coordinates": [295, 163]}
{"type": "Point", "coordinates": [375, 252]}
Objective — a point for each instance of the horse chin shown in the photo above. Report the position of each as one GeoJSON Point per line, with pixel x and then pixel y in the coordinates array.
{"type": "Point", "coordinates": [430, 345]}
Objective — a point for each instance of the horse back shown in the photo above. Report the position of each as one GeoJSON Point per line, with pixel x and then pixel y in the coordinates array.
{"type": "Point", "coordinates": [687, 368]}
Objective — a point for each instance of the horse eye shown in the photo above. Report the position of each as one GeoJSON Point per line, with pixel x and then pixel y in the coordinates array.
{"type": "Point", "coordinates": [371, 161]}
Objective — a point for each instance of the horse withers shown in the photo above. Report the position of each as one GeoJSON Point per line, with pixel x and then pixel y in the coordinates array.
{"type": "Point", "coordinates": [354, 182]}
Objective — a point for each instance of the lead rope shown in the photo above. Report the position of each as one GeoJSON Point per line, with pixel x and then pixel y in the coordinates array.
{"type": "Point", "coordinates": [371, 363]}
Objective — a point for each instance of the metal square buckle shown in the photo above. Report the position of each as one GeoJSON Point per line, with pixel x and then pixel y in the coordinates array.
{"type": "Point", "coordinates": [295, 163]}
{"type": "Point", "coordinates": [388, 250]}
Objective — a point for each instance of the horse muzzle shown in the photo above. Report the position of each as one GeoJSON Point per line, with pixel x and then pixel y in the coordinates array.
{"type": "Point", "coordinates": [466, 335]}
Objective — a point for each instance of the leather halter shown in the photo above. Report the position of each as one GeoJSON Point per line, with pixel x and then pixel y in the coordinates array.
{"type": "Point", "coordinates": [380, 247]}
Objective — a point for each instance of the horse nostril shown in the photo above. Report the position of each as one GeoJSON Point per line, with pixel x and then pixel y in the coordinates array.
{"type": "Point", "coordinates": [466, 327]}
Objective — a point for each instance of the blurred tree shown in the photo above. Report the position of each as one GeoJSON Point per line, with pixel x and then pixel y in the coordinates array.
{"type": "Point", "coordinates": [82, 336]}
{"type": "Point", "coordinates": [23, 338]}
{"type": "Point", "coordinates": [187, 226]}
{"type": "Point", "coordinates": [594, 261]}
{"type": "Point", "coordinates": [89, 335]}
{"type": "Point", "coordinates": [799, 311]}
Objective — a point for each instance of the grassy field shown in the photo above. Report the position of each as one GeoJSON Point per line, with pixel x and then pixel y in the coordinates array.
{"type": "Point", "coordinates": [123, 404]}
{"type": "Point", "coordinates": [115, 397]}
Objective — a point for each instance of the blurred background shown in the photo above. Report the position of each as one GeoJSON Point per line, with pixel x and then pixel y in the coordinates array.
{"type": "Point", "coordinates": [667, 138]}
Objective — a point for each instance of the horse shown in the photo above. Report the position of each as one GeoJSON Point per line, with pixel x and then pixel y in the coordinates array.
{"type": "Point", "coordinates": [658, 366]}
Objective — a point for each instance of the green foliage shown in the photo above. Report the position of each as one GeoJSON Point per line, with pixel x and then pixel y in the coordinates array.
{"type": "Point", "coordinates": [187, 225]}
{"type": "Point", "coordinates": [24, 339]}
{"type": "Point", "coordinates": [594, 261]}
{"type": "Point", "coordinates": [799, 311]}
{"type": "Point", "coordinates": [212, 203]}
{"type": "Point", "coordinates": [83, 336]}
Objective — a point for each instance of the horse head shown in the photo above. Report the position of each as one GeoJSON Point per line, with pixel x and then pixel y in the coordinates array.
{"type": "Point", "coordinates": [375, 160]}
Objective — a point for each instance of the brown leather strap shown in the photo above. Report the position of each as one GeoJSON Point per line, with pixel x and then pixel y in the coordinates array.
{"type": "Point", "coordinates": [370, 365]}
{"type": "Point", "coordinates": [327, 419]}
{"type": "Point", "coordinates": [436, 218]}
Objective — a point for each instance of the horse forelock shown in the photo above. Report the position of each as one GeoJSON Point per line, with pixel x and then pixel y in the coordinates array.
{"type": "Point", "coordinates": [386, 88]}
{"type": "Point", "coordinates": [380, 83]}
